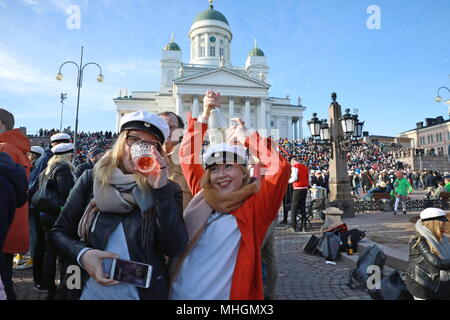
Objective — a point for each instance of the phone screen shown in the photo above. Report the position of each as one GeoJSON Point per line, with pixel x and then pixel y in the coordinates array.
{"type": "Point", "coordinates": [131, 272]}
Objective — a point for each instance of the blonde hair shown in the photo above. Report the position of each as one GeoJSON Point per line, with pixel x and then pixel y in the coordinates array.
{"type": "Point", "coordinates": [113, 159]}
{"type": "Point", "coordinates": [57, 159]}
{"type": "Point", "coordinates": [435, 227]}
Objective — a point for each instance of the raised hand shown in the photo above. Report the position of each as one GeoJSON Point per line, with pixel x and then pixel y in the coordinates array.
{"type": "Point", "coordinates": [158, 178]}
{"type": "Point", "coordinates": [210, 101]}
{"type": "Point", "coordinates": [236, 134]}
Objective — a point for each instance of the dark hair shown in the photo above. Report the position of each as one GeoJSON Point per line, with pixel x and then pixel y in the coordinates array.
{"type": "Point", "coordinates": [7, 119]}
{"type": "Point", "coordinates": [169, 113]}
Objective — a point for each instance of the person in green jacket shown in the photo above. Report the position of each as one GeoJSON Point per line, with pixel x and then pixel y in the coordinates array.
{"type": "Point", "coordinates": [402, 188]}
{"type": "Point", "coordinates": [447, 183]}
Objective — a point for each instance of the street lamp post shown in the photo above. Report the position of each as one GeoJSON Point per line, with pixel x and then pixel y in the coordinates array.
{"type": "Point", "coordinates": [63, 97]}
{"type": "Point", "coordinates": [80, 69]}
{"type": "Point", "coordinates": [419, 153]}
{"type": "Point", "coordinates": [439, 98]}
{"type": "Point", "coordinates": [338, 134]}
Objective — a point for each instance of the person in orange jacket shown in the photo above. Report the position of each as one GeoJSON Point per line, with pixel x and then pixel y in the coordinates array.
{"type": "Point", "coordinates": [230, 213]}
{"type": "Point", "coordinates": [16, 145]}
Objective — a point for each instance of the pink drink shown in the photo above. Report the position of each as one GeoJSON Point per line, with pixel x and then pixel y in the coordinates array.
{"type": "Point", "coordinates": [142, 158]}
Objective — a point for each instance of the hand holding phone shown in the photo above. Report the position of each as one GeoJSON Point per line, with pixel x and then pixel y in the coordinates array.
{"type": "Point", "coordinates": [92, 260]}
{"type": "Point", "coordinates": [136, 273]}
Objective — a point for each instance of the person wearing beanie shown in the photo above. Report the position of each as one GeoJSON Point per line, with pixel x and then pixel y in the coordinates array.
{"type": "Point", "coordinates": [428, 271]}
{"type": "Point", "coordinates": [119, 210]}
{"type": "Point", "coordinates": [230, 213]}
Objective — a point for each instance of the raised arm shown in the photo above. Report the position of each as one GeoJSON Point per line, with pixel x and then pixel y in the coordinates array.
{"type": "Point", "coordinates": [275, 176]}
{"type": "Point", "coordinates": [191, 146]}
{"type": "Point", "coordinates": [190, 150]}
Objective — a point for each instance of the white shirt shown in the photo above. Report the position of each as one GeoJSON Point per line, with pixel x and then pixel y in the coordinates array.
{"type": "Point", "coordinates": [207, 272]}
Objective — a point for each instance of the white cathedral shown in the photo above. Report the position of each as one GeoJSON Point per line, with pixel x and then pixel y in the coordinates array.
{"type": "Point", "coordinates": [244, 90]}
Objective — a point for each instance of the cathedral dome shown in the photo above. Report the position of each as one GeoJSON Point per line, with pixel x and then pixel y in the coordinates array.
{"type": "Point", "coordinates": [256, 51]}
{"type": "Point", "coordinates": [211, 14]}
{"type": "Point", "coordinates": [172, 46]}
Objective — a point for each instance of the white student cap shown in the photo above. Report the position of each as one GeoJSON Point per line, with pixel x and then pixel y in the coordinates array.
{"type": "Point", "coordinates": [225, 153]}
{"type": "Point", "coordinates": [146, 121]}
{"type": "Point", "coordinates": [62, 148]}
{"type": "Point", "coordinates": [60, 137]}
{"type": "Point", "coordinates": [433, 214]}
{"type": "Point", "coordinates": [37, 150]}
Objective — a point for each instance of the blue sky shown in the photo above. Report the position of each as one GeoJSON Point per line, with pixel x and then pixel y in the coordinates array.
{"type": "Point", "coordinates": [313, 47]}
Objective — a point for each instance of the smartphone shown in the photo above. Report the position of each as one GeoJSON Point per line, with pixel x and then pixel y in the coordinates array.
{"type": "Point", "coordinates": [131, 272]}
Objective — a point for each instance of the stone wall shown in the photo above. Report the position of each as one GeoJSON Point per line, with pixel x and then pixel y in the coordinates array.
{"type": "Point", "coordinates": [426, 162]}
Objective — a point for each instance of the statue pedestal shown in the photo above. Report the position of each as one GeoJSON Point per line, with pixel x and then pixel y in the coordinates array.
{"type": "Point", "coordinates": [333, 217]}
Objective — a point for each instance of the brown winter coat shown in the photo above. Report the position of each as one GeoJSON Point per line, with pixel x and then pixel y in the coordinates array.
{"type": "Point", "coordinates": [17, 145]}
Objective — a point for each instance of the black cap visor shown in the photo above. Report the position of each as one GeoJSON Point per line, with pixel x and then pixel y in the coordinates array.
{"type": "Point", "coordinates": [224, 157]}
{"type": "Point", "coordinates": [440, 218]}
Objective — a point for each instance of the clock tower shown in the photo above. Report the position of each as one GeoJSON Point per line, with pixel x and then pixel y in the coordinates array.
{"type": "Point", "coordinates": [210, 36]}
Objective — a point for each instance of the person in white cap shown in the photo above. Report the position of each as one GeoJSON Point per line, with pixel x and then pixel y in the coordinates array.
{"type": "Point", "coordinates": [60, 172]}
{"type": "Point", "coordinates": [230, 213]}
{"type": "Point", "coordinates": [117, 210]}
{"type": "Point", "coordinates": [35, 153]}
{"type": "Point", "coordinates": [428, 272]}
{"type": "Point", "coordinates": [42, 161]}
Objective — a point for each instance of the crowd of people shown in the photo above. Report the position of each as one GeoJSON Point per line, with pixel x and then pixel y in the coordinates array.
{"type": "Point", "coordinates": [196, 213]}
{"type": "Point", "coordinates": [113, 207]}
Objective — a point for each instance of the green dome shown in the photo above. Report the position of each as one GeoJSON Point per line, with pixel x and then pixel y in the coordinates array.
{"type": "Point", "coordinates": [211, 14]}
{"type": "Point", "coordinates": [172, 46]}
{"type": "Point", "coordinates": [256, 52]}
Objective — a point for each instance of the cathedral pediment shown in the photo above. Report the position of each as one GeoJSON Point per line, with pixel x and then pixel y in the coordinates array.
{"type": "Point", "coordinates": [222, 77]}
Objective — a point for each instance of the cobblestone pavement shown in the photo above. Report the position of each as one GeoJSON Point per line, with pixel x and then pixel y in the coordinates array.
{"type": "Point", "coordinates": [307, 277]}
{"type": "Point", "coordinates": [300, 276]}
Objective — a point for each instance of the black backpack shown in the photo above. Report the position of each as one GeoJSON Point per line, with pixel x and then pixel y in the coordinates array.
{"type": "Point", "coordinates": [329, 246]}
{"type": "Point", "coordinates": [392, 288]}
{"type": "Point", "coordinates": [311, 246]}
{"type": "Point", "coordinates": [370, 256]}
{"type": "Point", "coordinates": [355, 235]}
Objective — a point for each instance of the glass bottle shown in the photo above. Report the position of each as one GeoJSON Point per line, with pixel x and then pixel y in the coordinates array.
{"type": "Point", "coordinates": [217, 127]}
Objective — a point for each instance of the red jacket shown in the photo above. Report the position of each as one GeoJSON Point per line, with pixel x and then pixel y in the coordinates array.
{"type": "Point", "coordinates": [17, 145]}
{"type": "Point", "coordinates": [254, 216]}
{"type": "Point", "coordinates": [302, 177]}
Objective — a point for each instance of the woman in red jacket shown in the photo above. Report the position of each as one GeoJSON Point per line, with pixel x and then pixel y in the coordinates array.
{"type": "Point", "coordinates": [229, 214]}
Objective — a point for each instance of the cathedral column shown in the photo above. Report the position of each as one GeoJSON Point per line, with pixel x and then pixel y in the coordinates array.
{"type": "Point", "coordinates": [231, 107]}
{"type": "Point", "coordinates": [300, 127]}
{"type": "Point", "coordinates": [262, 114]}
{"type": "Point", "coordinates": [289, 127]}
{"type": "Point", "coordinates": [119, 115]}
{"type": "Point", "coordinates": [195, 107]}
{"type": "Point", "coordinates": [179, 104]}
{"type": "Point", "coordinates": [247, 117]}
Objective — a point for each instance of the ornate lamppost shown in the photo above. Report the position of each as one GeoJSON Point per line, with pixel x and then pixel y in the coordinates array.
{"type": "Point", "coordinates": [341, 136]}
